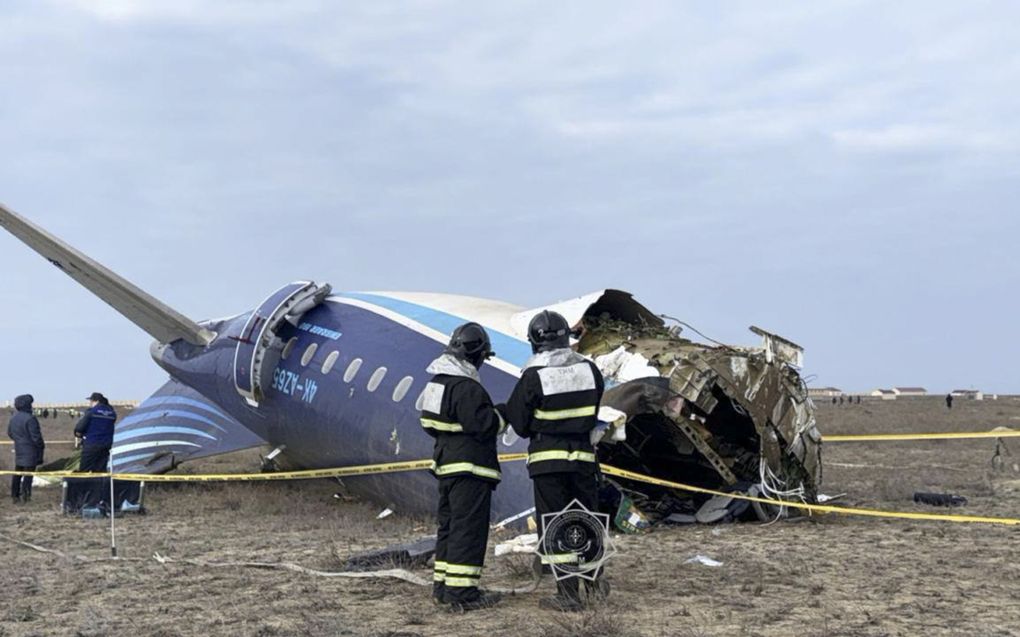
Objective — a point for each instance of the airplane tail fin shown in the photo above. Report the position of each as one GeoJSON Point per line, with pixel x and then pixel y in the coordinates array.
{"type": "Point", "coordinates": [174, 425]}
{"type": "Point", "coordinates": [164, 323]}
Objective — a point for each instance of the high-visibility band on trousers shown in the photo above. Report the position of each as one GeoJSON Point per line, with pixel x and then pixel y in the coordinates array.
{"type": "Point", "coordinates": [463, 569]}
{"type": "Point", "coordinates": [439, 574]}
{"type": "Point", "coordinates": [556, 454]}
{"type": "Point", "coordinates": [563, 414]}
{"type": "Point", "coordinates": [560, 558]}
{"type": "Point", "coordinates": [465, 467]}
{"type": "Point", "coordinates": [439, 425]}
{"type": "Point", "coordinates": [461, 581]}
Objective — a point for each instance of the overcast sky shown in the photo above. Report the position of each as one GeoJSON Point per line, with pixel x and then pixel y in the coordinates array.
{"type": "Point", "coordinates": [842, 173]}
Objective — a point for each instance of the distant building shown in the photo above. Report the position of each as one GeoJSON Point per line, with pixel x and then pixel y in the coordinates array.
{"type": "Point", "coordinates": [824, 392]}
{"type": "Point", "coordinates": [905, 392]}
{"type": "Point", "coordinates": [884, 394]}
{"type": "Point", "coordinates": [970, 394]}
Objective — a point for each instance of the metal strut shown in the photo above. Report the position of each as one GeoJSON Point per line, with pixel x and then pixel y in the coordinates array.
{"type": "Point", "coordinates": [702, 445]}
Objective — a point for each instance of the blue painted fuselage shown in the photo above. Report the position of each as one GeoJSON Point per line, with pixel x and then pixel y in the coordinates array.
{"type": "Point", "coordinates": [346, 389]}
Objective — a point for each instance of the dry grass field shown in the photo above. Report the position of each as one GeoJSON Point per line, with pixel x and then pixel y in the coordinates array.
{"type": "Point", "coordinates": [829, 575]}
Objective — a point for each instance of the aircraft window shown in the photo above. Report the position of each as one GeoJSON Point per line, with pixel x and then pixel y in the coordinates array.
{"type": "Point", "coordinates": [376, 379]}
{"type": "Point", "coordinates": [289, 347]}
{"type": "Point", "coordinates": [352, 370]}
{"type": "Point", "coordinates": [327, 365]}
{"type": "Point", "coordinates": [309, 353]}
{"type": "Point", "coordinates": [402, 387]}
{"type": "Point", "coordinates": [418, 404]}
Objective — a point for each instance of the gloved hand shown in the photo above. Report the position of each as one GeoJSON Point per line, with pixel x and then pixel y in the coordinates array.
{"type": "Point", "coordinates": [504, 423]}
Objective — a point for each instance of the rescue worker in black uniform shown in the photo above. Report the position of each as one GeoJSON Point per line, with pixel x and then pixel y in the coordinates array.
{"type": "Point", "coordinates": [555, 405]}
{"type": "Point", "coordinates": [458, 413]}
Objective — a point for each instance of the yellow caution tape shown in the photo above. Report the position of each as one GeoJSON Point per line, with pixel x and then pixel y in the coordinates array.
{"type": "Point", "coordinates": [949, 435]}
{"type": "Point", "coordinates": [419, 465]}
{"type": "Point", "coordinates": [820, 508]}
{"type": "Point", "coordinates": [305, 474]}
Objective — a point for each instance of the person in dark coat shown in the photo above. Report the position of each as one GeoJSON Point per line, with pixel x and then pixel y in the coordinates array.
{"type": "Point", "coordinates": [555, 405]}
{"type": "Point", "coordinates": [24, 430]}
{"type": "Point", "coordinates": [95, 430]}
{"type": "Point", "coordinates": [459, 414]}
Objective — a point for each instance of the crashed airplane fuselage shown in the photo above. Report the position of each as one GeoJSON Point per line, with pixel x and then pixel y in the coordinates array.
{"type": "Point", "coordinates": [335, 379]}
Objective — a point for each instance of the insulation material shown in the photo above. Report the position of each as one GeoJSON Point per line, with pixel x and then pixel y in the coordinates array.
{"type": "Point", "coordinates": [623, 366]}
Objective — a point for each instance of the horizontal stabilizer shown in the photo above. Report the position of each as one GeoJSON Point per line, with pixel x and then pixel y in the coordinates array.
{"type": "Point", "coordinates": [164, 323]}
{"type": "Point", "coordinates": [174, 425]}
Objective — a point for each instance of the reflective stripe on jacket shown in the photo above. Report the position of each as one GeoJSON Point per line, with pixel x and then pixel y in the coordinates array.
{"type": "Point", "coordinates": [555, 406]}
{"type": "Point", "coordinates": [459, 414]}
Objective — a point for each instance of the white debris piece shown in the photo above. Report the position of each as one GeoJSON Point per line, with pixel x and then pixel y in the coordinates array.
{"type": "Point", "coordinates": [387, 512]}
{"type": "Point", "coordinates": [703, 559]}
{"type": "Point", "coordinates": [623, 366]}
{"type": "Point", "coordinates": [829, 498]}
{"type": "Point", "coordinates": [612, 416]}
{"type": "Point", "coordinates": [617, 421]}
{"type": "Point", "coordinates": [738, 366]}
{"type": "Point", "coordinates": [526, 543]}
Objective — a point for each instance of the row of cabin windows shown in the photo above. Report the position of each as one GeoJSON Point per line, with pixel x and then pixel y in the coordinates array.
{"type": "Point", "coordinates": [399, 392]}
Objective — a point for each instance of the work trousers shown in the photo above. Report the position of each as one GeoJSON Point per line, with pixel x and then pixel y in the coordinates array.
{"type": "Point", "coordinates": [463, 533]}
{"type": "Point", "coordinates": [553, 493]}
{"type": "Point", "coordinates": [94, 458]}
{"type": "Point", "coordinates": [21, 486]}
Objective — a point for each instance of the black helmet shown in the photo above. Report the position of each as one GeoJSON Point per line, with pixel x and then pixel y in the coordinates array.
{"type": "Point", "coordinates": [471, 343]}
{"type": "Point", "coordinates": [548, 331]}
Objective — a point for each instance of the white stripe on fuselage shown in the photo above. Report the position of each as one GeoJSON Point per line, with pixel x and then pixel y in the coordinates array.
{"type": "Point", "coordinates": [424, 330]}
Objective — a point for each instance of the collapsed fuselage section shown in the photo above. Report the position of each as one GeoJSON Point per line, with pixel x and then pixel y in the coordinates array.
{"type": "Point", "coordinates": [720, 417]}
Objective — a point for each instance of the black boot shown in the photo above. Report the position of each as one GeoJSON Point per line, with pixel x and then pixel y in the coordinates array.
{"type": "Point", "coordinates": [438, 593]}
{"type": "Point", "coordinates": [566, 599]}
{"type": "Point", "coordinates": [597, 591]}
{"type": "Point", "coordinates": [483, 599]}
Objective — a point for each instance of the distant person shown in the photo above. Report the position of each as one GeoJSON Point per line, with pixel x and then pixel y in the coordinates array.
{"type": "Point", "coordinates": [833, 400]}
{"type": "Point", "coordinates": [858, 400]}
{"type": "Point", "coordinates": [24, 430]}
{"type": "Point", "coordinates": [840, 400]}
{"type": "Point", "coordinates": [95, 432]}
{"type": "Point", "coordinates": [949, 401]}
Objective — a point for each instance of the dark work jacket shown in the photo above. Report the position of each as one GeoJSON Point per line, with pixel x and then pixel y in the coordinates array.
{"type": "Point", "coordinates": [459, 414]}
{"type": "Point", "coordinates": [23, 429]}
{"type": "Point", "coordinates": [97, 426]}
{"type": "Point", "coordinates": [555, 404]}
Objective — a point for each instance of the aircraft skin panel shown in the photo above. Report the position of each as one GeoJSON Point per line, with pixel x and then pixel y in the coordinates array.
{"type": "Point", "coordinates": [509, 348]}
{"type": "Point", "coordinates": [488, 312]}
{"type": "Point", "coordinates": [358, 426]}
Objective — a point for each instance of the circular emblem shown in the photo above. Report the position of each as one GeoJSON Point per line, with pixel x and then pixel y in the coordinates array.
{"type": "Point", "coordinates": [575, 542]}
